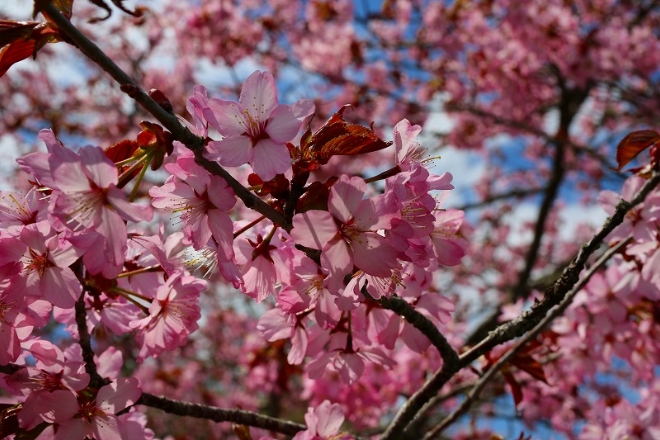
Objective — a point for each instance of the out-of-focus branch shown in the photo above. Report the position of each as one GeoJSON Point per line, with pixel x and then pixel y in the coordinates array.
{"type": "Point", "coordinates": [527, 338]}
{"type": "Point", "coordinates": [516, 193]}
{"type": "Point", "coordinates": [521, 325]}
{"type": "Point", "coordinates": [169, 121]}
{"type": "Point", "coordinates": [236, 416]}
{"type": "Point", "coordinates": [571, 101]}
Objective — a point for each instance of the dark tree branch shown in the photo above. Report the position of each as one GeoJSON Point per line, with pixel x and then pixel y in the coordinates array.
{"type": "Point", "coordinates": [421, 323]}
{"type": "Point", "coordinates": [237, 416]}
{"type": "Point", "coordinates": [526, 339]}
{"type": "Point", "coordinates": [84, 340]}
{"type": "Point", "coordinates": [169, 121]}
{"type": "Point", "coordinates": [521, 325]}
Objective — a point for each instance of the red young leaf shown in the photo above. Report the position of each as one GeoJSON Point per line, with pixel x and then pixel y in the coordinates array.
{"type": "Point", "coordinates": [22, 40]}
{"type": "Point", "coordinates": [121, 150]}
{"type": "Point", "coordinates": [11, 31]}
{"type": "Point", "coordinates": [633, 144]}
{"type": "Point", "coordinates": [316, 197]}
{"type": "Point", "coordinates": [530, 366]}
{"type": "Point", "coordinates": [516, 389]}
{"type": "Point", "coordinates": [15, 52]}
{"type": "Point", "coordinates": [338, 137]}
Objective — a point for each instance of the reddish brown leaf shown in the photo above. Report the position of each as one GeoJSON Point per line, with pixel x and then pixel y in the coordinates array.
{"type": "Point", "coordinates": [242, 432]}
{"type": "Point", "coordinates": [316, 197]}
{"type": "Point", "coordinates": [530, 366]}
{"type": "Point", "coordinates": [337, 137]}
{"type": "Point", "coordinates": [11, 31]}
{"type": "Point", "coordinates": [15, 52]}
{"type": "Point", "coordinates": [516, 389]}
{"type": "Point", "coordinates": [121, 150]}
{"type": "Point", "coordinates": [633, 144]}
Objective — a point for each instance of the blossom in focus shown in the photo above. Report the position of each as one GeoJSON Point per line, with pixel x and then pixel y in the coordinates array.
{"type": "Point", "coordinates": [256, 129]}
{"type": "Point", "coordinates": [347, 234]}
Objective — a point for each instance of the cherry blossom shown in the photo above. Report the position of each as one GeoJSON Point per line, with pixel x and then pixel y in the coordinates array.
{"type": "Point", "coordinates": [256, 129]}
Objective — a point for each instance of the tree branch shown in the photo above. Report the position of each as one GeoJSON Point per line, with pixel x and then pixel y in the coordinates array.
{"type": "Point", "coordinates": [495, 368]}
{"type": "Point", "coordinates": [421, 323]}
{"type": "Point", "coordinates": [237, 416]}
{"type": "Point", "coordinates": [95, 380]}
{"type": "Point", "coordinates": [524, 323]}
{"type": "Point", "coordinates": [169, 121]}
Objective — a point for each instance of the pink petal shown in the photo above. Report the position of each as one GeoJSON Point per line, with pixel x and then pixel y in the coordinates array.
{"type": "Point", "coordinates": [127, 210]}
{"type": "Point", "coordinates": [222, 228]}
{"type": "Point", "coordinates": [274, 325]}
{"type": "Point", "coordinates": [337, 258]}
{"type": "Point", "coordinates": [118, 395]}
{"type": "Point", "coordinates": [60, 287]}
{"type": "Point", "coordinates": [221, 195]}
{"type": "Point", "coordinates": [330, 418]}
{"type": "Point", "coordinates": [10, 346]}
{"type": "Point", "coordinates": [374, 255]}
{"type": "Point", "coordinates": [110, 363]}
{"type": "Point", "coordinates": [345, 197]}
{"type": "Point", "coordinates": [259, 95]}
{"type": "Point", "coordinates": [349, 366]}
{"type": "Point", "coordinates": [106, 428]}
{"type": "Point", "coordinates": [231, 151]}
{"type": "Point", "coordinates": [98, 167]}
{"type": "Point", "coordinates": [313, 229]}
{"type": "Point", "coordinates": [73, 429]}
{"type": "Point", "coordinates": [270, 158]}
{"type": "Point", "coordinates": [283, 124]}
{"type": "Point", "coordinates": [227, 117]}
{"type": "Point", "coordinates": [298, 346]}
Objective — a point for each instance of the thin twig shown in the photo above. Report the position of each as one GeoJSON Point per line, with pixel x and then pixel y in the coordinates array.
{"type": "Point", "coordinates": [169, 121]}
{"type": "Point", "coordinates": [237, 416]}
{"type": "Point", "coordinates": [494, 369]}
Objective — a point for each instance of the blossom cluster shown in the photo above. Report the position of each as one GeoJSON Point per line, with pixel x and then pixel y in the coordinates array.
{"type": "Point", "coordinates": [78, 246]}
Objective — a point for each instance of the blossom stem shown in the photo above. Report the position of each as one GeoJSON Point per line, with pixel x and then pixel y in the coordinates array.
{"type": "Point", "coordinates": [249, 225]}
{"type": "Point", "coordinates": [140, 176]}
{"type": "Point", "coordinates": [127, 294]}
{"type": "Point", "coordinates": [154, 268]}
{"type": "Point", "coordinates": [131, 159]}
{"type": "Point", "coordinates": [127, 175]}
{"type": "Point", "coordinates": [349, 335]}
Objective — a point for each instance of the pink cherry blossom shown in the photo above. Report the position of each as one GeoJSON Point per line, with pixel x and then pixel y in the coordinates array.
{"type": "Point", "coordinates": [172, 316]}
{"type": "Point", "coordinates": [256, 129]}
{"type": "Point", "coordinates": [323, 423]}
{"type": "Point", "coordinates": [86, 196]}
{"type": "Point", "coordinates": [46, 266]}
{"type": "Point", "coordinates": [91, 416]}
{"type": "Point", "coordinates": [203, 200]}
{"type": "Point", "coordinates": [347, 234]}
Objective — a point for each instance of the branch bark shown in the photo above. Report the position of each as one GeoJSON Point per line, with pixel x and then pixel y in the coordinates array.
{"type": "Point", "coordinates": [237, 416]}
